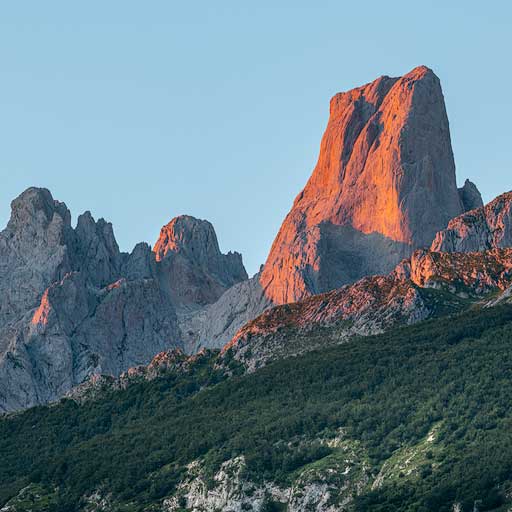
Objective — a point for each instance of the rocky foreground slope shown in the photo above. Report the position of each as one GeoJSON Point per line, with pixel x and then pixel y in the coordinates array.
{"type": "Point", "coordinates": [427, 285]}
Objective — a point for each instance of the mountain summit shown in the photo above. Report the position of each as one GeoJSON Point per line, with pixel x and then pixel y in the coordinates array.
{"type": "Point", "coordinates": [383, 186]}
{"type": "Point", "coordinates": [73, 305]}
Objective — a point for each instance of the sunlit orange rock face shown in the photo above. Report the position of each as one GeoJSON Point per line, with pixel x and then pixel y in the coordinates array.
{"type": "Point", "coordinates": [383, 186]}
{"type": "Point", "coordinates": [42, 313]}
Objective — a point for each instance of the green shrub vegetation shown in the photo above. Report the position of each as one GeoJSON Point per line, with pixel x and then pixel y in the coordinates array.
{"type": "Point", "coordinates": [387, 392]}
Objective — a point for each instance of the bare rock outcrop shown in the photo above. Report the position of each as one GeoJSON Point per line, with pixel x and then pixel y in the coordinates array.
{"type": "Point", "coordinates": [214, 325]}
{"type": "Point", "coordinates": [66, 310]}
{"type": "Point", "coordinates": [73, 306]}
{"type": "Point", "coordinates": [386, 171]}
{"type": "Point", "coordinates": [415, 290]}
{"type": "Point", "coordinates": [140, 263]}
{"type": "Point", "coordinates": [484, 228]}
{"type": "Point", "coordinates": [191, 266]}
{"type": "Point", "coordinates": [97, 252]}
{"type": "Point", "coordinates": [470, 196]}
{"type": "Point", "coordinates": [36, 249]}
{"type": "Point", "coordinates": [77, 331]}
{"type": "Point", "coordinates": [466, 273]}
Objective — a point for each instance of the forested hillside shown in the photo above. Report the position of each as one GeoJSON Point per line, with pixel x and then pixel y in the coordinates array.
{"type": "Point", "coordinates": [425, 410]}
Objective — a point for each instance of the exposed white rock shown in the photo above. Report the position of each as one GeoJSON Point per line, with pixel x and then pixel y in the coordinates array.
{"type": "Point", "coordinates": [217, 323]}
{"type": "Point", "coordinates": [487, 227]}
{"type": "Point", "coordinates": [65, 310]}
{"type": "Point", "coordinates": [329, 488]}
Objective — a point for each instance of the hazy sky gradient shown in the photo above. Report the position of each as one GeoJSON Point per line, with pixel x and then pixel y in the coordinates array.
{"type": "Point", "coordinates": [141, 111]}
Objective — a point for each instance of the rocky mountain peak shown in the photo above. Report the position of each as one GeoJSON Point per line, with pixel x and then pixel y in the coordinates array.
{"type": "Point", "coordinates": [470, 196]}
{"type": "Point", "coordinates": [480, 229]}
{"type": "Point", "coordinates": [191, 263]}
{"type": "Point", "coordinates": [140, 263]}
{"type": "Point", "coordinates": [38, 220]}
{"type": "Point", "coordinates": [34, 251]}
{"type": "Point", "coordinates": [88, 229]}
{"type": "Point", "coordinates": [367, 98]}
{"type": "Point", "coordinates": [36, 207]}
{"type": "Point", "coordinates": [97, 250]}
{"type": "Point", "coordinates": [384, 185]}
{"type": "Point", "coordinates": [189, 236]}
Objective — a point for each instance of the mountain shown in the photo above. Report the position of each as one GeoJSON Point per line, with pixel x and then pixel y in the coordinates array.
{"type": "Point", "coordinates": [66, 309]}
{"type": "Point", "coordinates": [72, 305]}
{"type": "Point", "coordinates": [383, 186]}
{"type": "Point", "coordinates": [366, 367]}
{"type": "Point", "coordinates": [193, 269]}
{"type": "Point", "coordinates": [211, 291]}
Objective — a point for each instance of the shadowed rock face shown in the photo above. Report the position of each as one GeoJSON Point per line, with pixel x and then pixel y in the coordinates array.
{"type": "Point", "coordinates": [470, 196]}
{"type": "Point", "coordinates": [97, 250]}
{"type": "Point", "coordinates": [77, 331]}
{"type": "Point", "coordinates": [385, 171]}
{"type": "Point", "coordinates": [214, 325]}
{"type": "Point", "coordinates": [483, 228]}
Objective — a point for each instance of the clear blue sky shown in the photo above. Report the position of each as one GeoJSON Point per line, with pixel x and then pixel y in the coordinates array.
{"type": "Point", "coordinates": [140, 111]}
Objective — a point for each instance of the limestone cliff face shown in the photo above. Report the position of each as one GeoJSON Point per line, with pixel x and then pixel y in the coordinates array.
{"type": "Point", "coordinates": [214, 325]}
{"type": "Point", "coordinates": [384, 185]}
{"type": "Point", "coordinates": [72, 305]}
{"type": "Point", "coordinates": [192, 268]}
{"type": "Point", "coordinates": [65, 310]}
{"type": "Point", "coordinates": [480, 229]}
{"type": "Point", "coordinates": [34, 251]}
{"type": "Point", "coordinates": [97, 251]}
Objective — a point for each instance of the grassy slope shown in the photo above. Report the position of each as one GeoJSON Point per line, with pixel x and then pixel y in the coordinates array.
{"type": "Point", "coordinates": [388, 392]}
